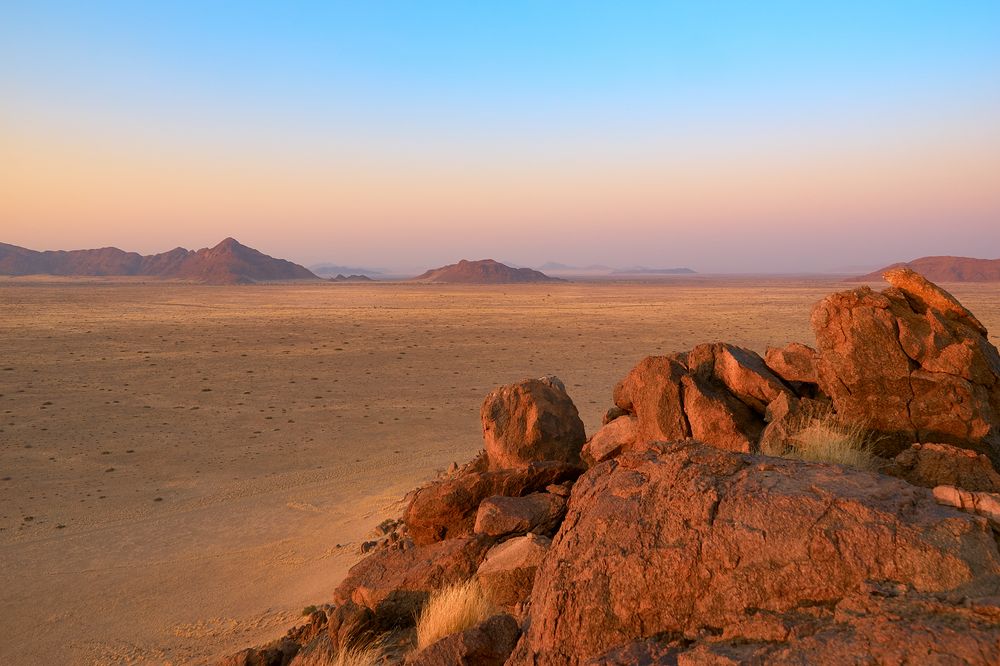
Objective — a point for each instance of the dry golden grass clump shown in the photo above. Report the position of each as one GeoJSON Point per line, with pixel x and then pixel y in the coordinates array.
{"type": "Point", "coordinates": [361, 648]}
{"type": "Point", "coordinates": [451, 610]}
{"type": "Point", "coordinates": [822, 436]}
{"type": "Point", "coordinates": [358, 655]}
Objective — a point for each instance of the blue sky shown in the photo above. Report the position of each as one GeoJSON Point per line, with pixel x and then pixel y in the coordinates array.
{"type": "Point", "coordinates": [493, 99]}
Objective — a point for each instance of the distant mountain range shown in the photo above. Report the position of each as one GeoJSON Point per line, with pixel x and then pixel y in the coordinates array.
{"type": "Point", "coordinates": [642, 270]}
{"type": "Point", "coordinates": [332, 270]}
{"type": "Point", "coordinates": [340, 277]}
{"type": "Point", "coordinates": [229, 262]}
{"type": "Point", "coordinates": [946, 269]}
{"type": "Point", "coordinates": [595, 269]}
{"type": "Point", "coordinates": [556, 266]}
{"type": "Point", "coordinates": [484, 271]}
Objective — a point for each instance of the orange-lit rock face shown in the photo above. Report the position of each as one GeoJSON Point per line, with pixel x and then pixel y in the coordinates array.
{"type": "Point", "coordinates": [685, 539]}
{"type": "Point", "coordinates": [530, 421]}
{"type": "Point", "coordinates": [912, 363]}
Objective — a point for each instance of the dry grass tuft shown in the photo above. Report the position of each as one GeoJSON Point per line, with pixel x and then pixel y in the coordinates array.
{"type": "Point", "coordinates": [360, 654]}
{"type": "Point", "coordinates": [824, 437]}
{"type": "Point", "coordinates": [451, 610]}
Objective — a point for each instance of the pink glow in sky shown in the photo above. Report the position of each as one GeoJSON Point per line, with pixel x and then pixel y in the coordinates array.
{"type": "Point", "coordinates": [781, 146]}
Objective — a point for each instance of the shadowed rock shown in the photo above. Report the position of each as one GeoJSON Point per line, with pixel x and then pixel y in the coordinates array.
{"type": "Point", "coordinates": [447, 508]}
{"type": "Point", "coordinates": [508, 572]}
{"type": "Point", "coordinates": [931, 465]}
{"type": "Point", "coordinates": [486, 644]}
{"type": "Point", "coordinates": [500, 516]}
{"type": "Point", "coordinates": [394, 583]}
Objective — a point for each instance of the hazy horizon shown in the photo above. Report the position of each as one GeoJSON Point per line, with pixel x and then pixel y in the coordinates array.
{"type": "Point", "coordinates": [776, 138]}
{"type": "Point", "coordinates": [397, 270]}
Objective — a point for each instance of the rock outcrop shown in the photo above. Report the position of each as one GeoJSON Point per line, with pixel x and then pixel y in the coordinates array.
{"type": "Point", "coordinates": [912, 363]}
{"type": "Point", "coordinates": [689, 541]}
{"type": "Point", "coordinates": [717, 393]}
{"type": "Point", "coordinates": [611, 440]}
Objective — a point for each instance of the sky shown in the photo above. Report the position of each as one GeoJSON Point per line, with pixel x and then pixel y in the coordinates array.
{"type": "Point", "coordinates": [723, 136]}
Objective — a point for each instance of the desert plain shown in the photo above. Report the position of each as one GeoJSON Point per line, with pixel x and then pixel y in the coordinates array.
{"type": "Point", "coordinates": [184, 468]}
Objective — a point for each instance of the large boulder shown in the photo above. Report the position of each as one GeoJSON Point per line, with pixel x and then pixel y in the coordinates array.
{"type": "Point", "coordinates": [486, 644]}
{"type": "Point", "coordinates": [394, 583]}
{"type": "Point", "coordinates": [530, 421]}
{"type": "Point", "coordinates": [651, 391]}
{"type": "Point", "coordinates": [508, 572]}
{"type": "Point", "coordinates": [447, 508]}
{"type": "Point", "coordinates": [688, 540]}
{"type": "Point", "coordinates": [934, 464]}
{"type": "Point", "coordinates": [539, 513]}
{"type": "Point", "coordinates": [911, 363]}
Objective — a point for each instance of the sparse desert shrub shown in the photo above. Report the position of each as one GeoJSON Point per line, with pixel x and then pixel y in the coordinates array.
{"type": "Point", "coordinates": [309, 610]}
{"type": "Point", "coordinates": [451, 610]}
{"type": "Point", "coordinates": [822, 436]}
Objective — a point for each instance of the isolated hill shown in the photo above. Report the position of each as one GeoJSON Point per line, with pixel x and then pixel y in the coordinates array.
{"type": "Point", "coordinates": [484, 271]}
{"type": "Point", "coordinates": [945, 269]}
{"type": "Point", "coordinates": [229, 262]}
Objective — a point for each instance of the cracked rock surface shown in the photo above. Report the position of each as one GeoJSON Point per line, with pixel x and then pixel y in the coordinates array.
{"type": "Point", "coordinates": [912, 363]}
{"type": "Point", "coordinates": [691, 542]}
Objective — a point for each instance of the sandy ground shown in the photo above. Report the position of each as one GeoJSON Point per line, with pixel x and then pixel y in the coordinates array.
{"type": "Point", "coordinates": [185, 468]}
